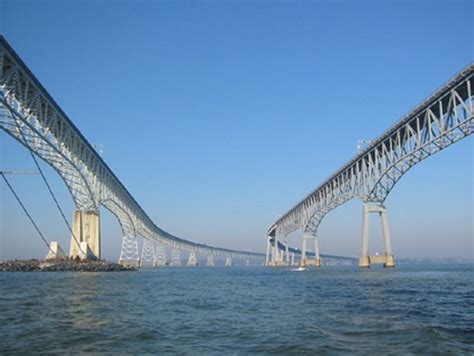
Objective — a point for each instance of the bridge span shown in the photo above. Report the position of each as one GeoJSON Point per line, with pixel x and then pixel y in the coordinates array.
{"type": "Point", "coordinates": [31, 116]}
{"type": "Point", "coordinates": [441, 120]}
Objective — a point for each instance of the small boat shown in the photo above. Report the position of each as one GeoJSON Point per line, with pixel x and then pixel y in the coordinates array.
{"type": "Point", "coordinates": [299, 269]}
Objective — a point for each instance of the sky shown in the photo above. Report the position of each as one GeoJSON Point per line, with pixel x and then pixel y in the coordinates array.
{"type": "Point", "coordinates": [219, 116]}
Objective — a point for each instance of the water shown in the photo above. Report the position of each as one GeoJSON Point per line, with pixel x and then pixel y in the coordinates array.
{"type": "Point", "coordinates": [410, 309]}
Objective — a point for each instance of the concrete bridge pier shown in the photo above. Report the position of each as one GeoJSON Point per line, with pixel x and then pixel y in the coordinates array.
{"type": "Point", "coordinates": [85, 239]}
{"type": "Point", "coordinates": [277, 258]}
{"type": "Point", "coordinates": [316, 261]}
{"type": "Point", "coordinates": [365, 260]}
{"type": "Point", "coordinates": [276, 254]}
{"type": "Point", "coordinates": [267, 256]}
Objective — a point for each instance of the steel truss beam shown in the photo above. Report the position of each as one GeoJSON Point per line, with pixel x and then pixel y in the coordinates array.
{"type": "Point", "coordinates": [30, 115]}
{"type": "Point", "coordinates": [438, 122]}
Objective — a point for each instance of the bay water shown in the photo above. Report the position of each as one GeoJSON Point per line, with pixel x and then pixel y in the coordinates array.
{"type": "Point", "coordinates": [414, 309]}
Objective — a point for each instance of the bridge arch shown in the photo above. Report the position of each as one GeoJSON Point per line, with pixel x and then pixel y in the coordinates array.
{"type": "Point", "coordinates": [47, 131]}
{"type": "Point", "coordinates": [25, 129]}
{"type": "Point", "coordinates": [441, 120]}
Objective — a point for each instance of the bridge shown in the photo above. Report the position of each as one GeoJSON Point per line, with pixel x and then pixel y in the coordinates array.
{"type": "Point", "coordinates": [31, 116]}
{"type": "Point", "coordinates": [441, 120]}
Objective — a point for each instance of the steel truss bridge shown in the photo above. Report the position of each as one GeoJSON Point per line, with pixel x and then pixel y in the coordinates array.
{"type": "Point", "coordinates": [441, 120]}
{"type": "Point", "coordinates": [30, 115]}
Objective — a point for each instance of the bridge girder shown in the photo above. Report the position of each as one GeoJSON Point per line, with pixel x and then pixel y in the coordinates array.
{"type": "Point", "coordinates": [440, 121]}
{"type": "Point", "coordinates": [30, 115]}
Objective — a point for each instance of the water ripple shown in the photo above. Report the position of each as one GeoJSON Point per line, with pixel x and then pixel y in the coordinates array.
{"type": "Point", "coordinates": [240, 310]}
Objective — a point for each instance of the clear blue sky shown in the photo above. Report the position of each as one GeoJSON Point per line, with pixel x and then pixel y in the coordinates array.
{"type": "Point", "coordinates": [219, 116]}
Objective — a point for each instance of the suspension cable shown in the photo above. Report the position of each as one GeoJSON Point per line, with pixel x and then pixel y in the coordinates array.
{"type": "Point", "coordinates": [26, 211]}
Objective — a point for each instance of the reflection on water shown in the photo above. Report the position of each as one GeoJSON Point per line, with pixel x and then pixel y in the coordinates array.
{"type": "Point", "coordinates": [416, 309]}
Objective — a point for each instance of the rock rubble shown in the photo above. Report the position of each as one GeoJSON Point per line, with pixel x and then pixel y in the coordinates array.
{"type": "Point", "coordinates": [62, 265]}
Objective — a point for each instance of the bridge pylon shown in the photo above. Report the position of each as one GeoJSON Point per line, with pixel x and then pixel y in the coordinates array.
{"type": "Point", "coordinates": [85, 239]}
{"type": "Point", "coordinates": [316, 261]}
{"type": "Point", "coordinates": [287, 253]}
{"type": "Point", "coordinates": [365, 260]}
{"type": "Point", "coordinates": [278, 258]}
{"type": "Point", "coordinates": [267, 255]}
{"type": "Point", "coordinates": [275, 252]}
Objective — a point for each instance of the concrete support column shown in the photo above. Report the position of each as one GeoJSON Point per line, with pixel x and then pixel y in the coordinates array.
{"type": "Point", "coordinates": [85, 241]}
{"type": "Point", "coordinates": [305, 261]}
{"type": "Point", "coordinates": [316, 248]}
{"type": "Point", "coordinates": [267, 258]}
{"type": "Point", "coordinates": [276, 257]}
{"type": "Point", "coordinates": [303, 249]}
{"type": "Point", "coordinates": [364, 251]}
{"type": "Point", "coordinates": [287, 252]}
{"type": "Point", "coordinates": [390, 261]}
{"type": "Point", "coordinates": [365, 260]}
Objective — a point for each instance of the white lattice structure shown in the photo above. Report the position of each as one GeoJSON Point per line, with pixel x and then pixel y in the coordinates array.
{"type": "Point", "coordinates": [30, 115]}
{"type": "Point", "coordinates": [175, 258]}
{"type": "Point", "coordinates": [192, 261]}
{"type": "Point", "coordinates": [148, 253]}
{"type": "Point", "coordinates": [160, 253]}
{"type": "Point", "coordinates": [210, 261]}
{"type": "Point", "coordinates": [438, 122]}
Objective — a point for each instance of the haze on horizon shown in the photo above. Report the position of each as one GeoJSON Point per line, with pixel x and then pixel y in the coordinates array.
{"type": "Point", "coordinates": [218, 117]}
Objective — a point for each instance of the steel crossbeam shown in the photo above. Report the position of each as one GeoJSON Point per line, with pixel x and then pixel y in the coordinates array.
{"type": "Point", "coordinates": [30, 115]}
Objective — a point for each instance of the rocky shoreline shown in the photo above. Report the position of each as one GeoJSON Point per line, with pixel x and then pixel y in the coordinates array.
{"type": "Point", "coordinates": [62, 266]}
